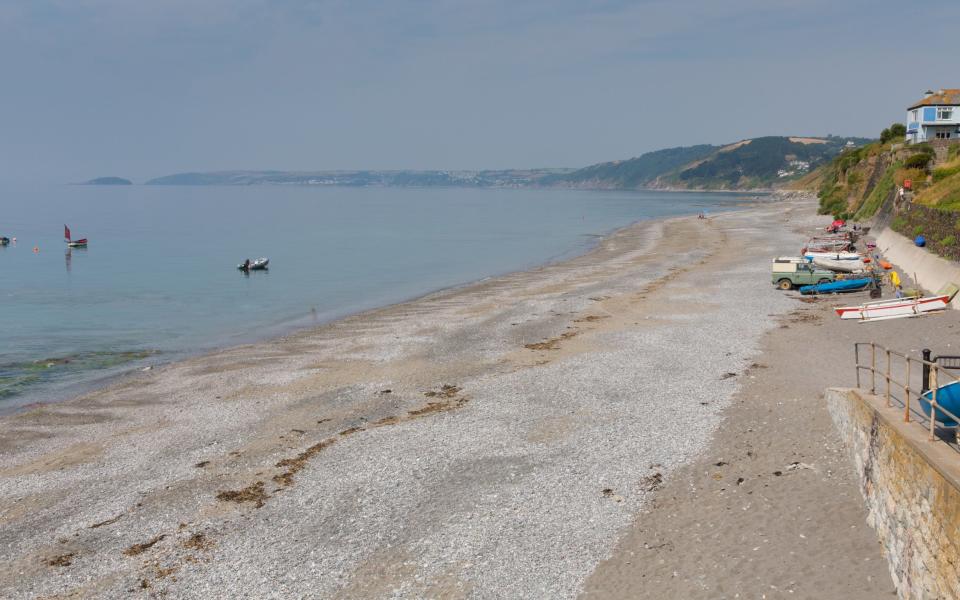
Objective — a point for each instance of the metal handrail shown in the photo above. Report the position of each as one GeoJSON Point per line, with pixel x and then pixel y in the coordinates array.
{"type": "Point", "coordinates": [935, 371]}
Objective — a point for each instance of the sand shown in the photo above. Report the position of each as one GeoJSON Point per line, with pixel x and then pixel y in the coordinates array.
{"type": "Point", "coordinates": [543, 435]}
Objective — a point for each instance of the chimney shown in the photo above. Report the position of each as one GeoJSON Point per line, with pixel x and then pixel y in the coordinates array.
{"type": "Point", "coordinates": [927, 94]}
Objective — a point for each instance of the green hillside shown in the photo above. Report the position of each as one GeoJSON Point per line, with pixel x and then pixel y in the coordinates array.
{"type": "Point", "coordinates": [634, 172]}
{"type": "Point", "coordinates": [763, 162]}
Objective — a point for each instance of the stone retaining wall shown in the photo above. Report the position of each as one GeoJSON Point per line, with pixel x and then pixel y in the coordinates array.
{"type": "Point", "coordinates": [912, 490]}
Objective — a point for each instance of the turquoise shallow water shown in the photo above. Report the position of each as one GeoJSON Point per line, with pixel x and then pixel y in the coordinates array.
{"type": "Point", "coordinates": [159, 279]}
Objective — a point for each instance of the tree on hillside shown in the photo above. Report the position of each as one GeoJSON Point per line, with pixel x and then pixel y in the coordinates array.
{"type": "Point", "coordinates": [895, 131]}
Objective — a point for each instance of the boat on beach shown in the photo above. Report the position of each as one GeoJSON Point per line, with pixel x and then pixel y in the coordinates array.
{"type": "Point", "coordinates": [835, 287]}
{"type": "Point", "coordinates": [894, 308]}
{"type": "Point", "coordinates": [811, 254]}
{"type": "Point", "coordinates": [840, 266]}
{"type": "Point", "coordinates": [948, 396]}
{"type": "Point", "coordinates": [259, 264]}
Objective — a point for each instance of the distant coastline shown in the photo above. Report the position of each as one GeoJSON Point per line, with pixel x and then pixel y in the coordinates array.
{"type": "Point", "coordinates": [757, 164]}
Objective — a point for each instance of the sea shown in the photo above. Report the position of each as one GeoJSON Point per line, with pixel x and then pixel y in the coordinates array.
{"type": "Point", "coordinates": [159, 280]}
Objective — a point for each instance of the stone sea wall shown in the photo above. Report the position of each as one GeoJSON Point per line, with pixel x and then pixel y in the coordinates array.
{"type": "Point", "coordinates": [930, 271]}
{"type": "Point", "coordinates": [912, 490]}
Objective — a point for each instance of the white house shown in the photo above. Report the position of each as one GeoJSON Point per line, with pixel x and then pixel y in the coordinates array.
{"type": "Point", "coordinates": [936, 117]}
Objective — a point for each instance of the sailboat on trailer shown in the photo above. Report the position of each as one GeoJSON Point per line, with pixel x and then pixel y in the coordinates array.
{"type": "Point", "coordinates": [72, 243]}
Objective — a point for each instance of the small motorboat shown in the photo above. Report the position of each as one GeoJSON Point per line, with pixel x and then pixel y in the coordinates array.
{"type": "Point", "coordinates": [4, 240]}
{"type": "Point", "coordinates": [834, 287]}
{"type": "Point", "coordinates": [259, 264]}
{"type": "Point", "coordinates": [894, 308]}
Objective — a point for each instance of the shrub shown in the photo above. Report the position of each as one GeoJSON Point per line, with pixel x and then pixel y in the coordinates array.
{"type": "Point", "coordinates": [917, 161]}
{"type": "Point", "coordinates": [897, 130]}
{"type": "Point", "coordinates": [948, 241]}
{"type": "Point", "coordinates": [900, 223]}
{"type": "Point", "coordinates": [918, 230]}
{"type": "Point", "coordinates": [916, 175]}
{"type": "Point", "coordinates": [953, 151]}
{"type": "Point", "coordinates": [854, 178]}
{"type": "Point", "coordinates": [944, 172]}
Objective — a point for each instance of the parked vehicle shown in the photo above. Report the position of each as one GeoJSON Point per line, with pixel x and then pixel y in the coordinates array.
{"type": "Point", "coordinates": [787, 274]}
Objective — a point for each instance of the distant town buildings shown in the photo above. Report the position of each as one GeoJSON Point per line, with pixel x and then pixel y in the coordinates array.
{"type": "Point", "coordinates": [794, 167]}
{"type": "Point", "coordinates": [935, 117]}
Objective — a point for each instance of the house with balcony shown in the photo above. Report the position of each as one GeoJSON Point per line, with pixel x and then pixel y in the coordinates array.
{"type": "Point", "coordinates": [935, 117]}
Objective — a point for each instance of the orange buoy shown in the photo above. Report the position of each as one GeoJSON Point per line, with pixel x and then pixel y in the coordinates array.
{"type": "Point", "coordinates": [886, 266]}
{"type": "Point", "coordinates": [866, 260]}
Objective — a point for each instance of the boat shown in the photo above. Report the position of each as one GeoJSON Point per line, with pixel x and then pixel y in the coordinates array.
{"type": "Point", "coordinates": [72, 243]}
{"type": "Point", "coordinates": [894, 308]}
{"type": "Point", "coordinates": [834, 287]}
{"type": "Point", "coordinates": [259, 264]}
{"type": "Point", "coordinates": [841, 266]}
{"type": "Point", "coordinates": [4, 240]}
{"type": "Point", "coordinates": [832, 255]}
{"type": "Point", "coordinates": [948, 396]}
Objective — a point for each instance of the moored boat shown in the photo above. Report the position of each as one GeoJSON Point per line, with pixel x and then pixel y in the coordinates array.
{"type": "Point", "coordinates": [72, 243]}
{"type": "Point", "coordinates": [4, 240]}
{"type": "Point", "coordinates": [259, 264]}
{"type": "Point", "coordinates": [894, 308]}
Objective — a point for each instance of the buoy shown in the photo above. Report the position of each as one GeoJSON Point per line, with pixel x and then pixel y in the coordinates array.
{"type": "Point", "coordinates": [886, 266]}
{"type": "Point", "coordinates": [36, 249]}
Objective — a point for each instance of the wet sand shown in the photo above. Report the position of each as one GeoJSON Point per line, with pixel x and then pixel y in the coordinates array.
{"type": "Point", "coordinates": [491, 441]}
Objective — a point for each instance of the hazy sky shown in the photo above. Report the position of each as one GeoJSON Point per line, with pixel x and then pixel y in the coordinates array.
{"type": "Point", "coordinates": [141, 88]}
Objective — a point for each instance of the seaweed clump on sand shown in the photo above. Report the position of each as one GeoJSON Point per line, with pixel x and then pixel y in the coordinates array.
{"type": "Point", "coordinates": [252, 493]}
{"type": "Point", "coordinates": [137, 549]}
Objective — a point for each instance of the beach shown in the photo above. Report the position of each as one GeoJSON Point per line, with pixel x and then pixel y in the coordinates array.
{"type": "Point", "coordinates": [608, 425]}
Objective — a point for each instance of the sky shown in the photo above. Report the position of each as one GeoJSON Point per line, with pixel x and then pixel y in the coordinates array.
{"type": "Point", "coordinates": [140, 89]}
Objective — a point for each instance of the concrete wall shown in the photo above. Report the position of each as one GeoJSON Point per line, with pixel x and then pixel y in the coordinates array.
{"type": "Point", "coordinates": [932, 272]}
{"type": "Point", "coordinates": [912, 491]}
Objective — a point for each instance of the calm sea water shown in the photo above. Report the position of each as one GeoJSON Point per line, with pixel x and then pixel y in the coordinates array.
{"type": "Point", "coordinates": [159, 279]}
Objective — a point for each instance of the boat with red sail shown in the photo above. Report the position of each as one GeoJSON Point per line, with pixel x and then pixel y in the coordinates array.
{"type": "Point", "coordinates": [72, 243]}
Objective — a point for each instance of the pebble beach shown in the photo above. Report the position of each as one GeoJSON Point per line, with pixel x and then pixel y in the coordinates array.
{"type": "Point", "coordinates": [499, 440]}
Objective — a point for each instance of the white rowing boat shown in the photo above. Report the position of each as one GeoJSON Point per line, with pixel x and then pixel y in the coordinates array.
{"type": "Point", "coordinates": [832, 255]}
{"type": "Point", "coordinates": [841, 266]}
{"type": "Point", "coordinates": [894, 309]}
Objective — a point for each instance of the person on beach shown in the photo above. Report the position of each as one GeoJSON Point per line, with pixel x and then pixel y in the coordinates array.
{"type": "Point", "coordinates": [895, 282]}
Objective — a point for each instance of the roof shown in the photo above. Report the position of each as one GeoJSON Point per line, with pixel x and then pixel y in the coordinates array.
{"type": "Point", "coordinates": [940, 98]}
